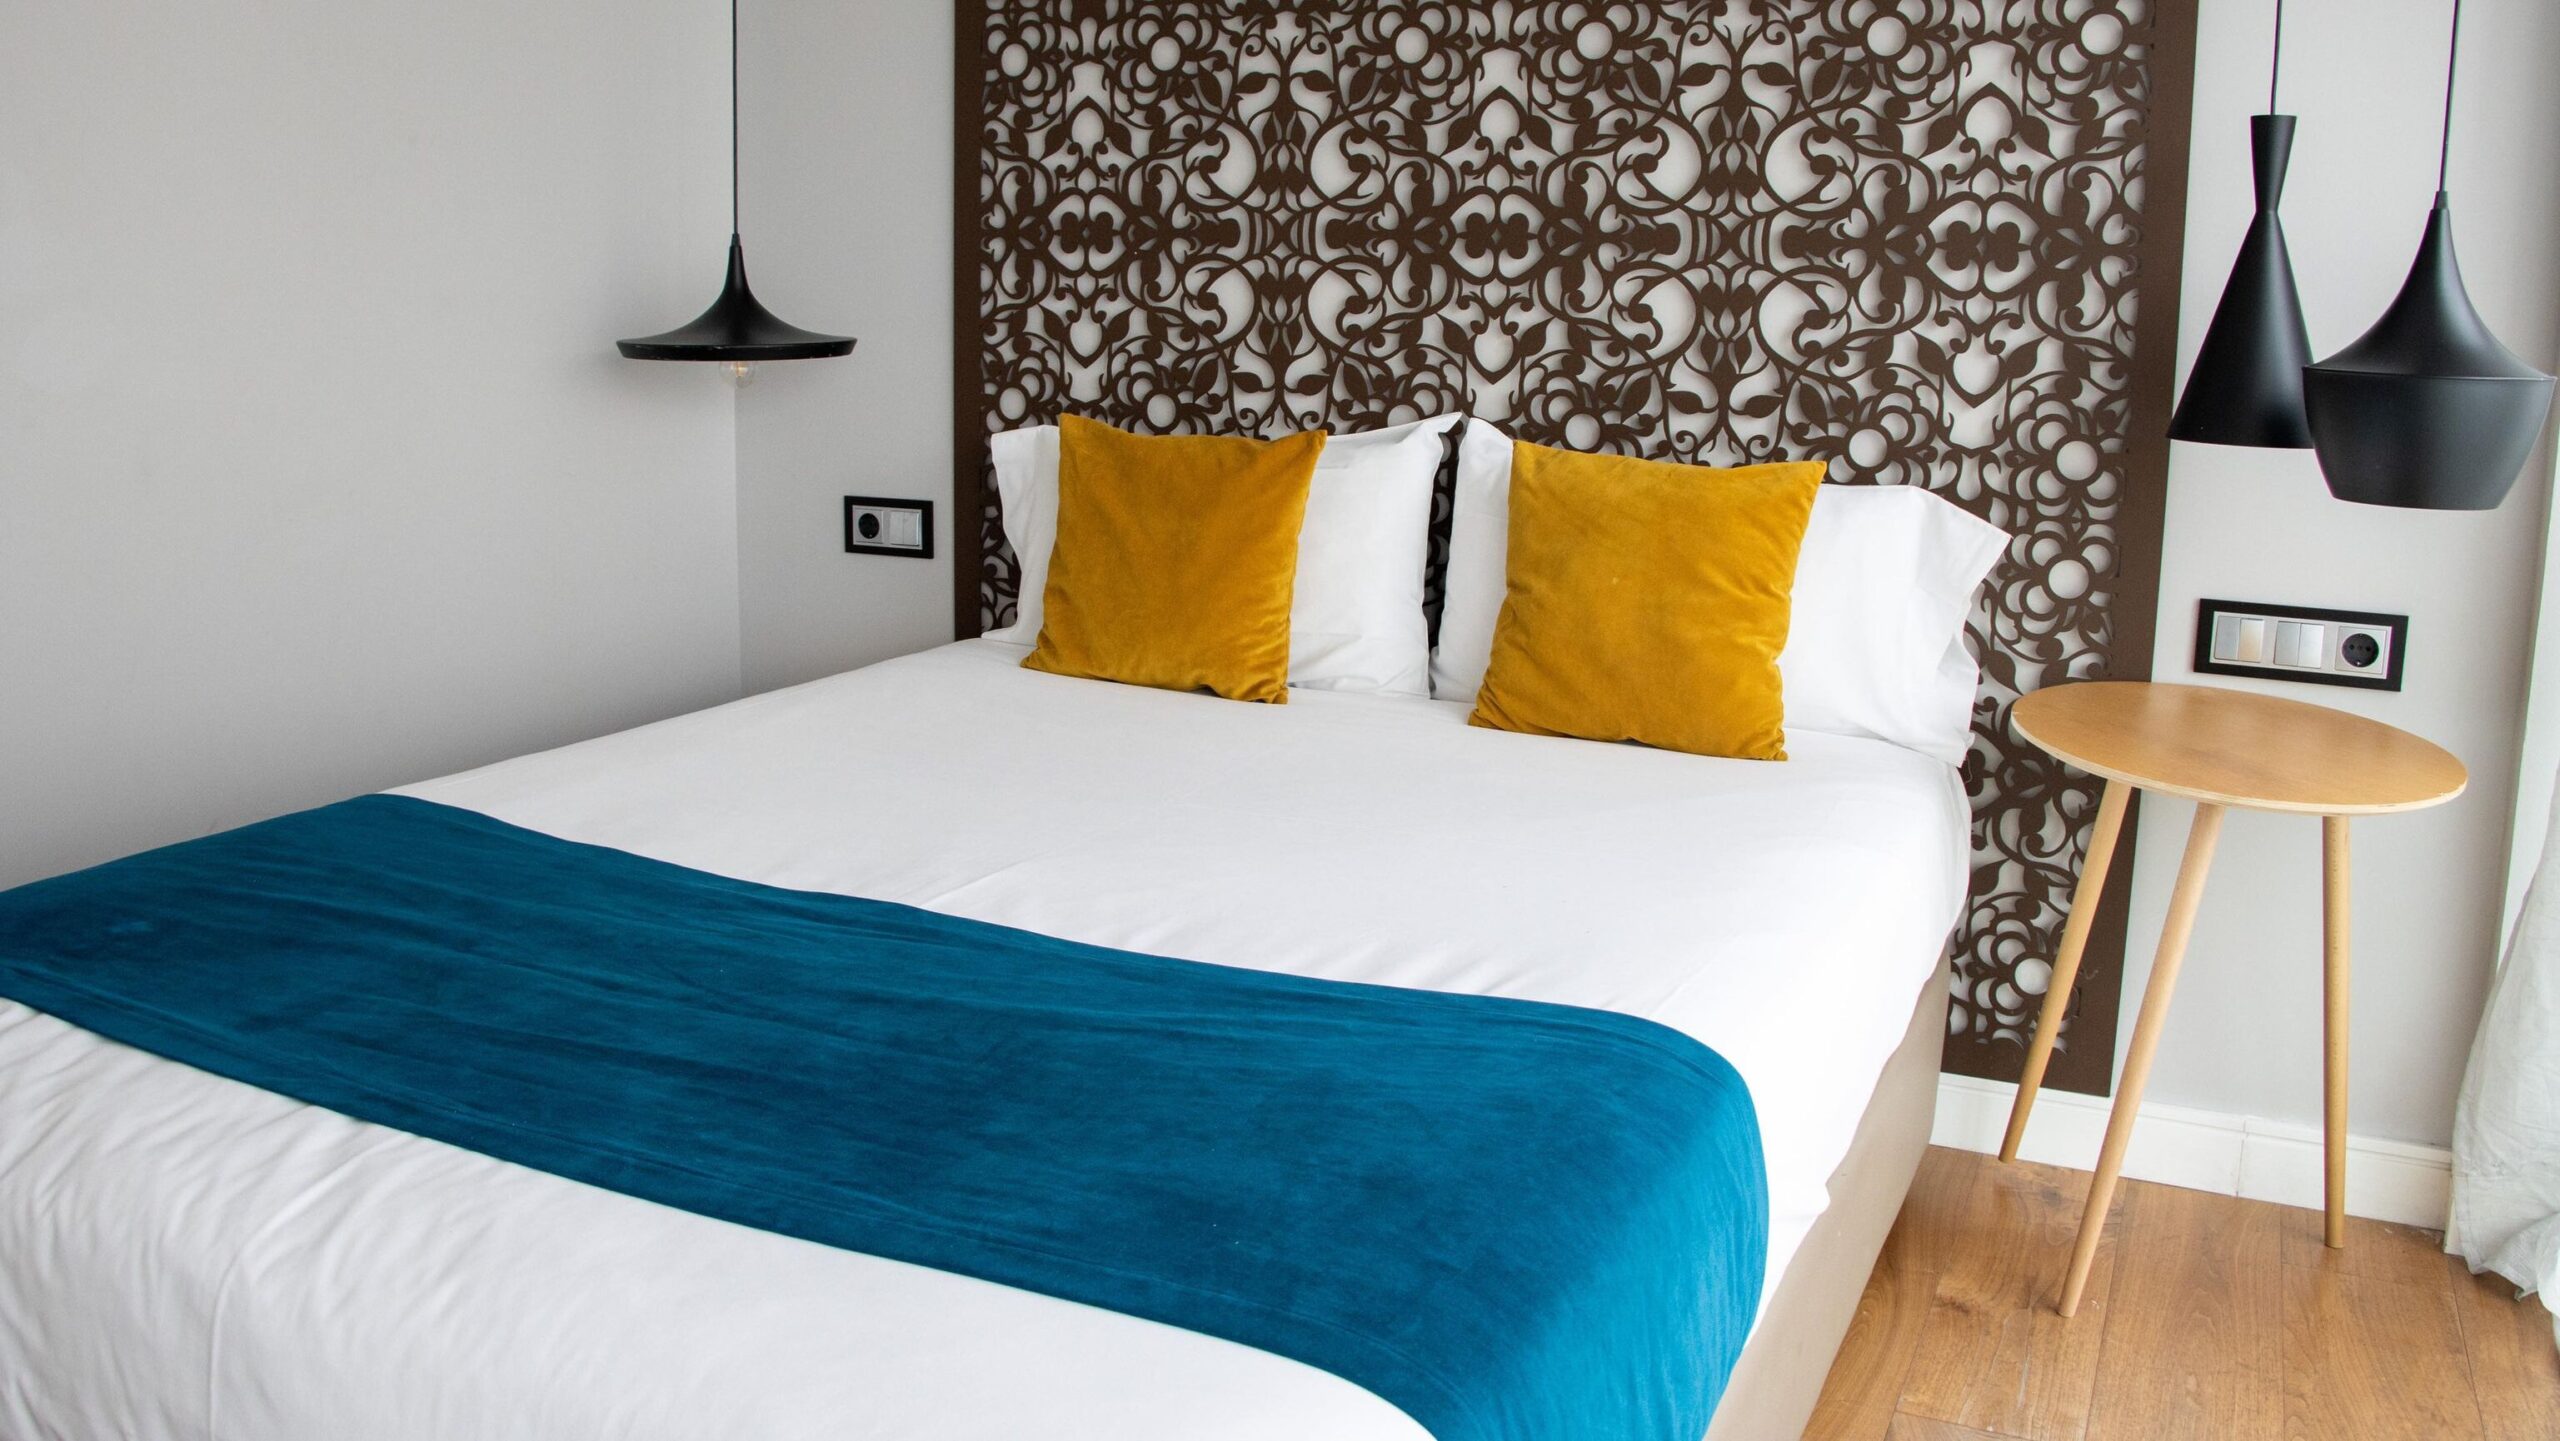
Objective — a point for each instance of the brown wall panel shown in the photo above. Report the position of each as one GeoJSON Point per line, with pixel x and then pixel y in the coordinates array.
{"type": "Point", "coordinates": [1934, 242]}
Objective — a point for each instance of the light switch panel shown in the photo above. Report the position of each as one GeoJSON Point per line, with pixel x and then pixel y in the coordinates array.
{"type": "Point", "coordinates": [874, 526]}
{"type": "Point", "coordinates": [2252, 649]}
{"type": "Point", "coordinates": [2295, 642]}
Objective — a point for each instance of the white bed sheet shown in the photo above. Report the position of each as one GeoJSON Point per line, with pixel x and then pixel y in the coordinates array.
{"type": "Point", "coordinates": [182, 1255]}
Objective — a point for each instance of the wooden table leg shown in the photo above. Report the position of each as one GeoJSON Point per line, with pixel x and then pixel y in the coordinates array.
{"type": "Point", "coordinates": [2066, 961]}
{"type": "Point", "coordinates": [2333, 982]}
{"type": "Point", "coordinates": [2146, 1040]}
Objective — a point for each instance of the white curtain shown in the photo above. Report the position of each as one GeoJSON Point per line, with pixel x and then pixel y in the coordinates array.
{"type": "Point", "coordinates": [2506, 1128]}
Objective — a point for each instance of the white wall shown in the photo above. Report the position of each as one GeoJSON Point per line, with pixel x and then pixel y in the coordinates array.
{"type": "Point", "coordinates": [317, 469]}
{"type": "Point", "coordinates": [848, 228]}
{"type": "Point", "coordinates": [2538, 758]}
{"type": "Point", "coordinates": [848, 176]}
{"type": "Point", "coordinates": [2366, 78]}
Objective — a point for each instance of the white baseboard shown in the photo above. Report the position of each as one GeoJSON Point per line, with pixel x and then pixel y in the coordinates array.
{"type": "Point", "coordinates": [2204, 1151]}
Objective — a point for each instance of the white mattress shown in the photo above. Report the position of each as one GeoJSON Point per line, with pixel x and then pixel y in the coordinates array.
{"type": "Point", "coordinates": [181, 1255]}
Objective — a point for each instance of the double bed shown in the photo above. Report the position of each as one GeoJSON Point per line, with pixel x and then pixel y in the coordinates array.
{"type": "Point", "coordinates": [184, 1255]}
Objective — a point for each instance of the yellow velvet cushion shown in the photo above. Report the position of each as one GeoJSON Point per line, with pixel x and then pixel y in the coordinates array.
{"type": "Point", "coordinates": [1647, 601]}
{"type": "Point", "coordinates": [1176, 559]}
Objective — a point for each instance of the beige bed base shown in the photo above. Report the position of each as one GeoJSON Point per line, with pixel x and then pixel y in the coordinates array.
{"type": "Point", "coordinates": [1783, 1365]}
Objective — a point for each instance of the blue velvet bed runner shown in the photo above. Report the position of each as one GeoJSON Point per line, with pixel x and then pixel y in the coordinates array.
{"type": "Point", "coordinates": [1510, 1219]}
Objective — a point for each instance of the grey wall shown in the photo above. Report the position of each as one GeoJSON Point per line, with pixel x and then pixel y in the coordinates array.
{"type": "Point", "coordinates": [2366, 78]}
{"type": "Point", "coordinates": [317, 470]}
{"type": "Point", "coordinates": [848, 215]}
{"type": "Point", "coordinates": [2538, 758]}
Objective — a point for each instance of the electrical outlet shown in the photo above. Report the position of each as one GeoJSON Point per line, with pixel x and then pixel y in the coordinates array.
{"type": "Point", "coordinates": [2294, 642]}
{"type": "Point", "coordinates": [873, 526]}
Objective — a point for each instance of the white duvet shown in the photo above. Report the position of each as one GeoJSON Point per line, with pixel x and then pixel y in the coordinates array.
{"type": "Point", "coordinates": [184, 1256]}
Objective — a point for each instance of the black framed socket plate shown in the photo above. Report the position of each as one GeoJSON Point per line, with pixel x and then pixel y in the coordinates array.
{"type": "Point", "coordinates": [875, 525]}
{"type": "Point", "coordinates": [2360, 648]}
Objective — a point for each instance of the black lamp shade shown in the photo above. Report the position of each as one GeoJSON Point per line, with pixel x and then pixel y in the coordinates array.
{"type": "Point", "coordinates": [2246, 388]}
{"type": "Point", "coordinates": [738, 329]}
{"type": "Point", "coordinates": [2426, 410]}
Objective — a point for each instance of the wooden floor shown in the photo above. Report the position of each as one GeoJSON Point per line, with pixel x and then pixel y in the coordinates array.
{"type": "Point", "coordinates": [2206, 1317]}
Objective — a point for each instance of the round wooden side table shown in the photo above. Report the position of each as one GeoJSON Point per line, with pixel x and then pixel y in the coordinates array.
{"type": "Point", "coordinates": [2219, 748]}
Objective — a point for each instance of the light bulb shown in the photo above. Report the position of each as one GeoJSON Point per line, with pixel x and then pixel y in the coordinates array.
{"type": "Point", "coordinates": [742, 373]}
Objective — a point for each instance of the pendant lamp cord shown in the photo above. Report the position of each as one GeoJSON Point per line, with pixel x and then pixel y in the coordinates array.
{"type": "Point", "coordinates": [733, 116]}
{"type": "Point", "coordinates": [2275, 67]}
{"type": "Point", "coordinates": [2444, 145]}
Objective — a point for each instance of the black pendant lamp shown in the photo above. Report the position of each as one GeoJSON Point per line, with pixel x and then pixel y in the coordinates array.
{"type": "Point", "coordinates": [737, 331]}
{"type": "Point", "coordinates": [2246, 388]}
{"type": "Point", "coordinates": [2427, 410]}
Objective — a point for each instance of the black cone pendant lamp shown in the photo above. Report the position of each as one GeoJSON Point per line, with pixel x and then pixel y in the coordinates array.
{"type": "Point", "coordinates": [737, 331]}
{"type": "Point", "coordinates": [2246, 388]}
{"type": "Point", "coordinates": [2427, 410]}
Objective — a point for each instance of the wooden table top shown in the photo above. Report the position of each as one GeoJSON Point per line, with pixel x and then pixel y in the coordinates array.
{"type": "Point", "coordinates": [2239, 748]}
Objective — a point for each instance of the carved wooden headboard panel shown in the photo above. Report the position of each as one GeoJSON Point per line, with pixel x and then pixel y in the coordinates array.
{"type": "Point", "coordinates": [1934, 242]}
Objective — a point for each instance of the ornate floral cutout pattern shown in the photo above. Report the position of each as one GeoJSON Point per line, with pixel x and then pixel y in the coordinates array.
{"type": "Point", "coordinates": [1897, 235]}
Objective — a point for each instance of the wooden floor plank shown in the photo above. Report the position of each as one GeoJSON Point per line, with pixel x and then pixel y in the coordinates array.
{"type": "Point", "coordinates": [2222, 1318]}
{"type": "Point", "coordinates": [2194, 1344]}
{"type": "Point", "coordinates": [2515, 1368]}
{"type": "Point", "coordinates": [2365, 1357]}
{"type": "Point", "coordinates": [1995, 1355]}
{"type": "Point", "coordinates": [2376, 1249]}
{"type": "Point", "coordinates": [1940, 1195]}
{"type": "Point", "coordinates": [1920, 1428]}
{"type": "Point", "coordinates": [1865, 1384]}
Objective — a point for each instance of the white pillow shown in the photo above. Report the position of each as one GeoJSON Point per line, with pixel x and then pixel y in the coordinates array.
{"type": "Point", "coordinates": [1875, 639]}
{"type": "Point", "coordinates": [1026, 467]}
{"type": "Point", "coordinates": [1479, 541]}
{"type": "Point", "coordinates": [1355, 621]}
